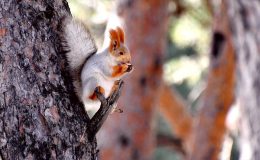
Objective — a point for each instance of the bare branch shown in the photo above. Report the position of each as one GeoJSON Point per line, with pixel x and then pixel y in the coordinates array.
{"type": "Point", "coordinates": [171, 142]}
{"type": "Point", "coordinates": [176, 112]}
{"type": "Point", "coordinates": [105, 108]}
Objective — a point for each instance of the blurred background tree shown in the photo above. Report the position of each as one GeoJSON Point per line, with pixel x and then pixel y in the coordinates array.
{"type": "Point", "coordinates": [243, 17]}
{"type": "Point", "coordinates": [188, 109]}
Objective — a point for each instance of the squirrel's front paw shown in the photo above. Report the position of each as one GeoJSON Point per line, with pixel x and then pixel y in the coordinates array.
{"type": "Point", "coordinates": [121, 69]}
{"type": "Point", "coordinates": [129, 68]}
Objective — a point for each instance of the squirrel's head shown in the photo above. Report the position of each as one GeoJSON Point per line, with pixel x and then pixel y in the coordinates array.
{"type": "Point", "coordinates": [117, 47]}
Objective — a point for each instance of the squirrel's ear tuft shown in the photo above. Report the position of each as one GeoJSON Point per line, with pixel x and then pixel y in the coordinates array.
{"type": "Point", "coordinates": [115, 40]}
{"type": "Point", "coordinates": [121, 34]}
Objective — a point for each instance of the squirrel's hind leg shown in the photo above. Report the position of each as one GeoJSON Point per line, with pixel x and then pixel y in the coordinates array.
{"type": "Point", "coordinates": [93, 96]}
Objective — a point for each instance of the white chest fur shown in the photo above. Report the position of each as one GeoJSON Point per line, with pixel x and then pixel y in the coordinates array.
{"type": "Point", "coordinates": [96, 73]}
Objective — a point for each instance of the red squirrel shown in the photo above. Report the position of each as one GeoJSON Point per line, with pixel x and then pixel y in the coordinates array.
{"type": "Point", "coordinates": [91, 69]}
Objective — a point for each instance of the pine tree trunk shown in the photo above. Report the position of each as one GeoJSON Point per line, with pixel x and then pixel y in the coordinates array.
{"type": "Point", "coordinates": [244, 18]}
{"type": "Point", "coordinates": [40, 116]}
{"type": "Point", "coordinates": [209, 128]}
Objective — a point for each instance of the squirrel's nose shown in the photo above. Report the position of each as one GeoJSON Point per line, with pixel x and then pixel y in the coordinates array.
{"type": "Point", "coordinates": [129, 68]}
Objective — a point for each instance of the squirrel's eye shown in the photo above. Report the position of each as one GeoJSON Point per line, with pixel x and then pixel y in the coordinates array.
{"type": "Point", "coordinates": [121, 53]}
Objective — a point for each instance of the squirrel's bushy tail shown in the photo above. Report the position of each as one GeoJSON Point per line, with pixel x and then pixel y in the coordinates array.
{"type": "Point", "coordinates": [80, 45]}
{"type": "Point", "coordinates": [80, 42]}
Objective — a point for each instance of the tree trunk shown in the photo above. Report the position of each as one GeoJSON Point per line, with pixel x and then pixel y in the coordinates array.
{"type": "Point", "coordinates": [130, 135]}
{"type": "Point", "coordinates": [244, 18]}
{"type": "Point", "coordinates": [209, 127]}
{"type": "Point", "coordinates": [41, 117]}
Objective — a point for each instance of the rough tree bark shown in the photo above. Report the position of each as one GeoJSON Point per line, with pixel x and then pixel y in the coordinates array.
{"type": "Point", "coordinates": [131, 134]}
{"type": "Point", "coordinates": [244, 19]}
{"type": "Point", "coordinates": [40, 116]}
{"type": "Point", "coordinates": [209, 127]}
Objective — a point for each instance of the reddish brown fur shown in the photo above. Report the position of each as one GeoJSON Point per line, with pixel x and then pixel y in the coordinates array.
{"type": "Point", "coordinates": [121, 34]}
{"type": "Point", "coordinates": [119, 51]}
{"type": "Point", "coordinates": [93, 96]}
{"type": "Point", "coordinates": [115, 41]}
{"type": "Point", "coordinates": [117, 36]}
{"type": "Point", "coordinates": [119, 70]}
